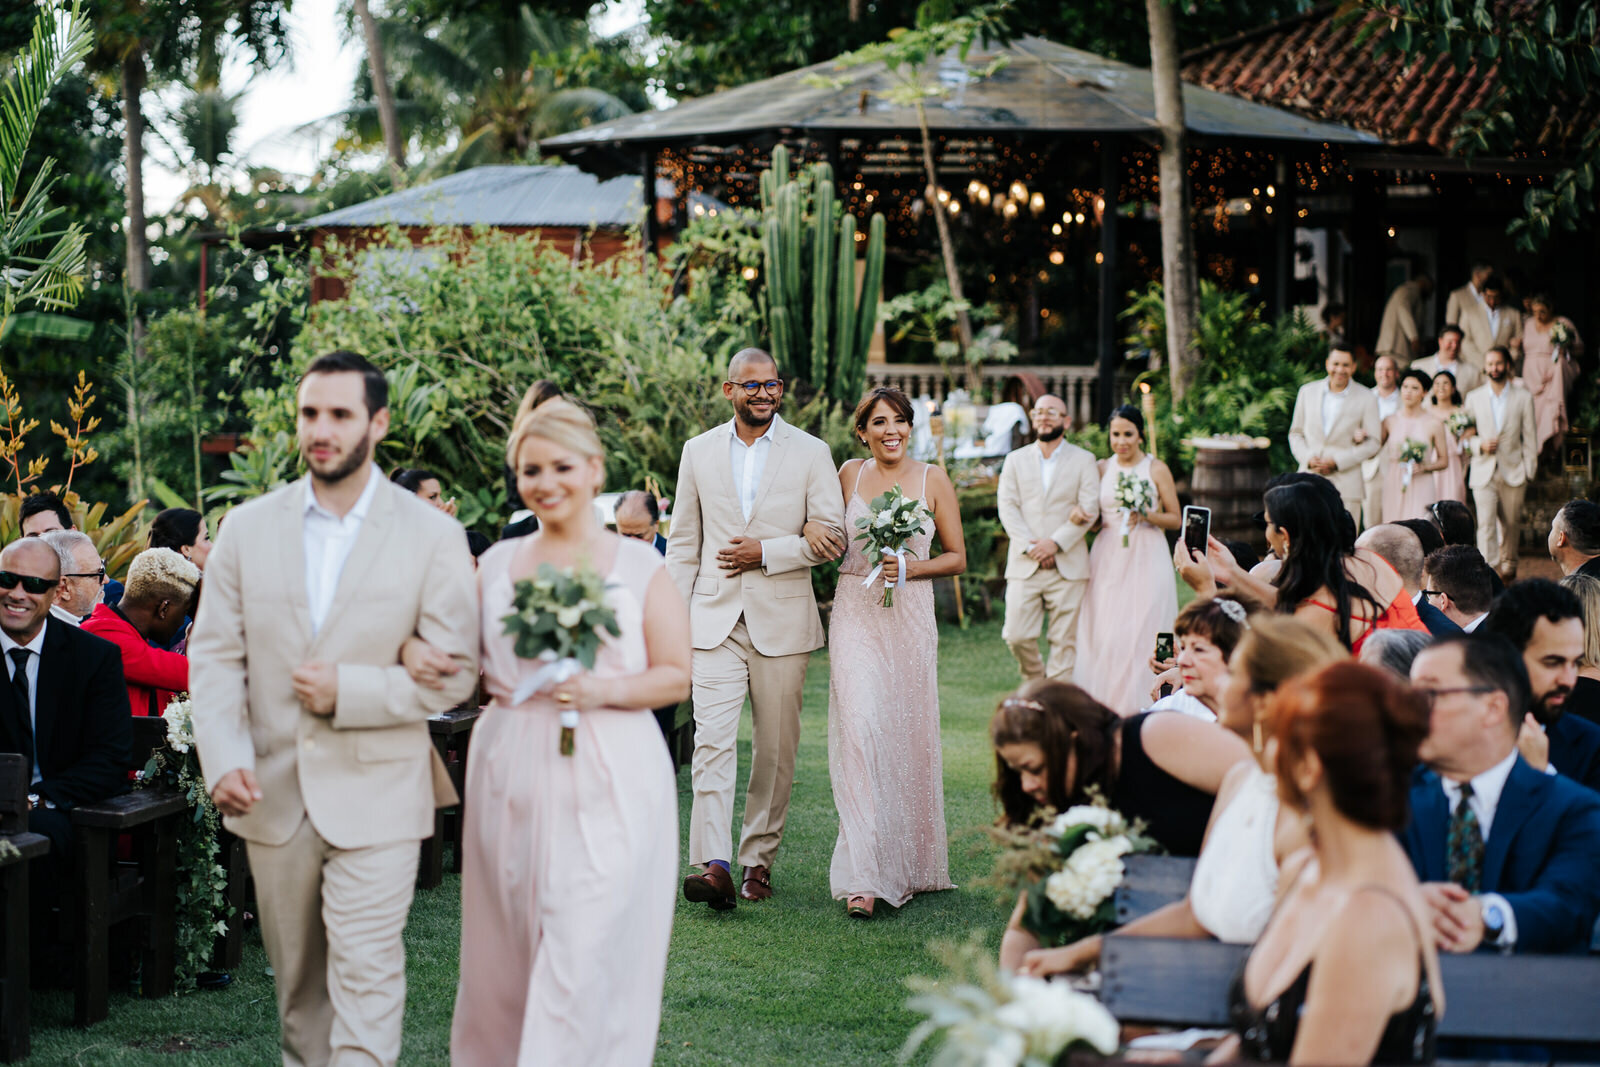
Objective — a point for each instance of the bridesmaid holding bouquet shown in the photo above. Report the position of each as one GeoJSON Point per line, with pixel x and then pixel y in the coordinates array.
{"type": "Point", "coordinates": [1444, 401]}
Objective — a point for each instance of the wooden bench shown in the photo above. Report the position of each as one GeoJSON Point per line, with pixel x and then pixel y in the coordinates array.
{"type": "Point", "coordinates": [1151, 882]}
{"type": "Point", "coordinates": [451, 732]}
{"type": "Point", "coordinates": [105, 892]}
{"type": "Point", "coordinates": [1547, 1000]}
{"type": "Point", "coordinates": [19, 846]}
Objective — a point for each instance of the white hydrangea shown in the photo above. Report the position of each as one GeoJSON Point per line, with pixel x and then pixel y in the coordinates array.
{"type": "Point", "coordinates": [180, 724]}
{"type": "Point", "coordinates": [568, 617]}
{"type": "Point", "coordinates": [1092, 873]}
{"type": "Point", "coordinates": [1107, 822]}
{"type": "Point", "coordinates": [1051, 1015]}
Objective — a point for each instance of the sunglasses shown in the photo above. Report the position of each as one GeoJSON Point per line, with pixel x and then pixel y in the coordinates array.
{"type": "Point", "coordinates": [30, 584]}
{"type": "Point", "coordinates": [99, 575]}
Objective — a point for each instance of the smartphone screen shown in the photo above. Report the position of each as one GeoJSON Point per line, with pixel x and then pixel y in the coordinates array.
{"type": "Point", "coordinates": [1196, 528]}
{"type": "Point", "coordinates": [1164, 647]}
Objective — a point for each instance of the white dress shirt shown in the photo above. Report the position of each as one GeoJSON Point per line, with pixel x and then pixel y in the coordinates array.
{"type": "Point", "coordinates": [59, 612]}
{"type": "Point", "coordinates": [748, 462]}
{"type": "Point", "coordinates": [1387, 405]}
{"type": "Point", "coordinates": [1494, 317]}
{"type": "Point", "coordinates": [1332, 405]}
{"type": "Point", "coordinates": [1486, 790]}
{"type": "Point", "coordinates": [1047, 467]}
{"type": "Point", "coordinates": [328, 541]}
{"type": "Point", "coordinates": [1473, 625]}
{"type": "Point", "coordinates": [36, 646]}
{"type": "Point", "coordinates": [1497, 405]}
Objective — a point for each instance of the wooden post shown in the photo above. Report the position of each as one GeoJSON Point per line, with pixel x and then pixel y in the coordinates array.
{"type": "Point", "coordinates": [1283, 216]}
{"type": "Point", "coordinates": [652, 229]}
{"type": "Point", "coordinates": [1109, 176]}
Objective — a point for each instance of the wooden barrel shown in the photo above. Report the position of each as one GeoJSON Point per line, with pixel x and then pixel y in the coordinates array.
{"type": "Point", "coordinates": [1231, 481]}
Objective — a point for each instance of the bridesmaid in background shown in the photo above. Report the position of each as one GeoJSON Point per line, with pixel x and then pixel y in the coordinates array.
{"type": "Point", "coordinates": [1133, 594]}
{"type": "Point", "coordinates": [1549, 369]}
{"type": "Point", "coordinates": [571, 861]}
{"type": "Point", "coordinates": [1412, 422]}
{"type": "Point", "coordinates": [883, 689]}
{"type": "Point", "coordinates": [1444, 400]}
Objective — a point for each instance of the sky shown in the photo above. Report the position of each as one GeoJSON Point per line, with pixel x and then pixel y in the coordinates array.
{"type": "Point", "coordinates": [279, 103]}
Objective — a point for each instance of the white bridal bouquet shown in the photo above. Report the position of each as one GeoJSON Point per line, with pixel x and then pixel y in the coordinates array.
{"type": "Point", "coordinates": [983, 1018]}
{"type": "Point", "coordinates": [894, 519]}
{"type": "Point", "coordinates": [557, 620]}
{"type": "Point", "coordinates": [1560, 338]}
{"type": "Point", "coordinates": [1412, 452]}
{"type": "Point", "coordinates": [1133, 494]}
{"type": "Point", "coordinates": [1459, 423]}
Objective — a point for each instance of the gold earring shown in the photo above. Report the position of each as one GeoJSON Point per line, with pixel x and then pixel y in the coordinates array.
{"type": "Point", "coordinates": [1257, 742]}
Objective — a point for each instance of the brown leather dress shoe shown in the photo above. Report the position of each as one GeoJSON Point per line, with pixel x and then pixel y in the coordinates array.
{"type": "Point", "coordinates": [757, 884]}
{"type": "Point", "coordinates": [713, 886]}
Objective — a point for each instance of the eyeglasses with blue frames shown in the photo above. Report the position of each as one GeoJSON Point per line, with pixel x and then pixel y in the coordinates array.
{"type": "Point", "coordinates": [773, 386]}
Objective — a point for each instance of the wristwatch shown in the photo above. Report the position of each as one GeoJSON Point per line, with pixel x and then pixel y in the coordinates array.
{"type": "Point", "coordinates": [33, 801]}
{"type": "Point", "coordinates": [1494, 923]}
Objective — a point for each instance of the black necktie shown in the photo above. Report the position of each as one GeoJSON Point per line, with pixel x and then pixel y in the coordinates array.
{"type": "Point", "coordinates": [19, 690]}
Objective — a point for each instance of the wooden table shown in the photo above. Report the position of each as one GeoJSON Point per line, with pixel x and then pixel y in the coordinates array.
{"type": "Point", "coordinates": [451, 731]}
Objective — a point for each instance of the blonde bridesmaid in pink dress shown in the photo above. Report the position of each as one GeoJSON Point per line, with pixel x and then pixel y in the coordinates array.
{"type": "Point", "coordinates": [570, 879]}
{"type": "Point", "coordinates": [1548, 369]}
{"type": "Point", "coordinates": [1444, 400]}
{"type": "Point", "coordinates": [884, 755]}
{"type": "Point", "coordinates": [1403, 497]}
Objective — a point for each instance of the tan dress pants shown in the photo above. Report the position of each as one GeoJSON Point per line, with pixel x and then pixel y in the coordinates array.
{"type": "Point", "coordinates": [1499, 508]}
{"type": "Point", "coordinates": [332, 921]}
{"type": "Point", "coordinates": [722, 676]}
{"type": "Point", "coordinates": [1027, 599]}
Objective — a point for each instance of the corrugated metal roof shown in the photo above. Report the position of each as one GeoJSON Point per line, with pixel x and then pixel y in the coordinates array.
{"type": "Point", "coordinates": [1046, 88]}
{"type": "Point", "coordinates": [501, 196]}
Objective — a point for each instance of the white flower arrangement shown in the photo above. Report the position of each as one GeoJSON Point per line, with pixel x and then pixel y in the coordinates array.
{"type": "Point", "coordinates": [1412, 452]}
{"type": "Point", "coordinates": [179, 717]}
{"type": "Point", "coordinates": [1134, 494]}
{"type": "Point", "coordinates": [1092, 873]}
{"type": "Point", "coordinates": [1560, 338]}
{"type": "Point", "coordinates": [895, 518]}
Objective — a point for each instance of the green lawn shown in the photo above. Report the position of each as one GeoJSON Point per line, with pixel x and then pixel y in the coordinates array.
{"type": "Point", "coordinates": [791, 980]}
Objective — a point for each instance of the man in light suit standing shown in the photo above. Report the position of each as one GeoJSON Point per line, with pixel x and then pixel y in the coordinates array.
{"type": "Point", "coordinates": [1335, 427]}
{"type": "Point", "coordinates": [1467, 376]}
{"type": "Point", "coordinates": [1504, 454]}
{"type": "Point", "coordinates": [1489, 323]}
{"type": "Point", "coordinates": [1049, 496]}
{"type": "Point", "coordinates": [1468, 295]}
{"type": "Point", "coordinates": [313, 737]}
{"type": "Point", "coordinates": [1399, 333]}
{"type": "Point", "coordinates": [1385, 379]}
{"type": "Point", "coordinates": [740, 555]}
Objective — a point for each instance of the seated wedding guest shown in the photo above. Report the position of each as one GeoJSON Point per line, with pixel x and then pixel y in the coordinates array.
{"type": "Point", "coordinates": [1394, 650]}
{"type": "Point", "coordinates": [1207, 629]}
{"type": "Point", "coordinates": [1453, 519]}
{"type": "Point", "coordinates": [184, 531]}
{"type": "Point", "coordinates": [1403, 550]}
{"type": "Point", "coordinates": [1574, 540]}
{"type": "Point", "coordinates": [424, 484]}
{"type": "Point", "coordinates": [155, 604]}
{"type": "Point", "coordinates": [1427, 533]}
{"type": "Point", "coordinates": [1545, 623]}
{"type": "Point", "coordinates": [42, 512]}
{"type": "Point", "coordinates": [1460, 584]}
{"type": "Point", "coordinates": [523, 520]}
{"type": "Point", "coordinates": [1585, 698]}
{"type": "Point", "coordinates": [1244, 554]}
{"type": "Point", "coordinates": [1250, 835]}
{"type": "Point", "coordinates": [1346, 971]}
{"type": "Point", "coordinates": [1479, 801]}
{"type": "Point", "coordinates": [68, 710]}
{"type": "Point", "coordinates": [638, 515]}
{"type": "Point", "coordinates": [1054, 743]}
{"type": "Point", "coordinates": [83, 575]}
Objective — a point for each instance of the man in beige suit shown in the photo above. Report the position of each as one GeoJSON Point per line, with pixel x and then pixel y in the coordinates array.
{"type": "Point", "coordinates": [1449, 358]}
{"type": "Point", "coordinates": [739, 554]}
{"type": "Point", "coordinates": [1504, 455]}
{"type": "Point", "coordinates": [313, 738]}
{"type": "Point", "coordinates": [1488, 323]}
{"type": "Point", "coordinates": [1399, 333]}
{"type": "Point", "coordinates": [1386, 391]}
{"type": "Point", "coordinates": [1335, 427]}
{"type": "Point", "coordinates": [1049, 495]}
{"type": "Point", "coordinates": [1461, 299]}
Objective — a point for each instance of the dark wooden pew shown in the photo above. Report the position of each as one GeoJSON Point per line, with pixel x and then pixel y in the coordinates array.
{"type": "Point", "coordinates": [1547, 1000]}
{"type": "Point", "coordinates": [105, 892]}
{"type": "Point", "coordinates": [451, 732]}
{"type": "Point", "coordinates": [1151, 882]}
{"type": "Point", "coordinates": [17, 847]}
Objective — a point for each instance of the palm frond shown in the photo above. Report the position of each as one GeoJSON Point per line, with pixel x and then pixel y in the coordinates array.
{"type": "Point", "coordinates": [61, 38]}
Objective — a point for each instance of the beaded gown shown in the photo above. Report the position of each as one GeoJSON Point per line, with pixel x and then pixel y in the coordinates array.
{"type": "Point", "coordinates": [883, 730]}
{"type": "Point", "coordinates": [569, 883]}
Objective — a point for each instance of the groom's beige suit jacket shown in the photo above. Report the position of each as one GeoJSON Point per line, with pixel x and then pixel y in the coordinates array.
{"type": "Point", "coordinates": [1307, 438]}
{"type": "Point", "coordinates": [363, 776]}
{"type": "Point", "coordinates": [1028, 513]}
{"type": "Point", "coordinates": [798, 483]}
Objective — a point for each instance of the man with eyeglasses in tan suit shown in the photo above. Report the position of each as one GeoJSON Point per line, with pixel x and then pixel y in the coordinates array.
{"type": "Point", "coordinates": [758, 505]}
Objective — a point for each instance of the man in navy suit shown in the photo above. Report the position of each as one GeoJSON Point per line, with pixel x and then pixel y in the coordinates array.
{"type": "Point", "coordinates": [1457, 582]}
{"type": "Point", "coordinates": [1509, 857]}
{"type": "Point", "coordinates": [1402, 549]}
{"type": "Point", "coordinates": [1545, 623]}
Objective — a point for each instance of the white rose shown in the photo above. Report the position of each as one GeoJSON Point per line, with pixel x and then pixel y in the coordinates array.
{"type": "Point", "coordinates": [1051, 1015]}
{"type": "Point", "coordinates": [567, 618]}
{"type": "Point", "coordinates": [1092, 874]}
{"type": "Point", "coordinates": [1094, 815]}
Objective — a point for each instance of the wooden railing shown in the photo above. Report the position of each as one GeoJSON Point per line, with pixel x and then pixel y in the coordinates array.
{"type": "Point", "coordinates": [1079, 387]}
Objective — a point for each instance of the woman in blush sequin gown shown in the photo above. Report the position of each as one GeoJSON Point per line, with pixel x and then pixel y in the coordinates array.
{"type": "Point", "coordinates": [568, 888]}
{"type": "Point", "coordinates": [883, 693]}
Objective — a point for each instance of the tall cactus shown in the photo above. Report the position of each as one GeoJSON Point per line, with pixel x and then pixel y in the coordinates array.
{"type": "Point", "coordinates": [819, 327]}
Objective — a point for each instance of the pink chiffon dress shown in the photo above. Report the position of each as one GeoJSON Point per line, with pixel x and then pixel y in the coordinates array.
{"type": "Point", "coordinates": [1451, 483]}
{"type": "Point", "coordinates": [1132, 596]}
{"type": "Point", "coordinates": [569, 881]}
{"type": "Point", "coordinates": [884, 757]}
{"type": "Point", "coordinates": [1399, 500]}
{"type": "Point", "coordinates": [1549, 379]}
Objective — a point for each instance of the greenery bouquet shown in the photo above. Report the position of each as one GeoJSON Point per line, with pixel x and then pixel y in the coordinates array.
{"type": "Point", "coordinates": [1412, 452]}
{"type": "Point", "coordinates": [1134, 494]}
{"type": "Point", "coordinates": [1560, 338]}
{"type": "Point", "coordinates": [894, 519]}
{"type": "Point", "coordinates": [1068, 866]}
{"type": "Point", "coordinates": [557, 620]}
{"type": "Point", "coordinates": [1459, 423]}
{"type": "Point", "coordinates": [203, 909]}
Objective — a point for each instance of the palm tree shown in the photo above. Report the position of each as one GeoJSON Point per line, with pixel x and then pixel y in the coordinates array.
{"type": "Point", "coordinates": [1177, 241]}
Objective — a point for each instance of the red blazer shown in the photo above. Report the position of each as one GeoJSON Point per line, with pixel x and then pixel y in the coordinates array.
{"type": "Point", "coordinates": [150, 672]}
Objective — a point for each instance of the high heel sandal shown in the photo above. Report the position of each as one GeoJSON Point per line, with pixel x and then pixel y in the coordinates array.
{"type": "Point", "coordinates": [859, 906]}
